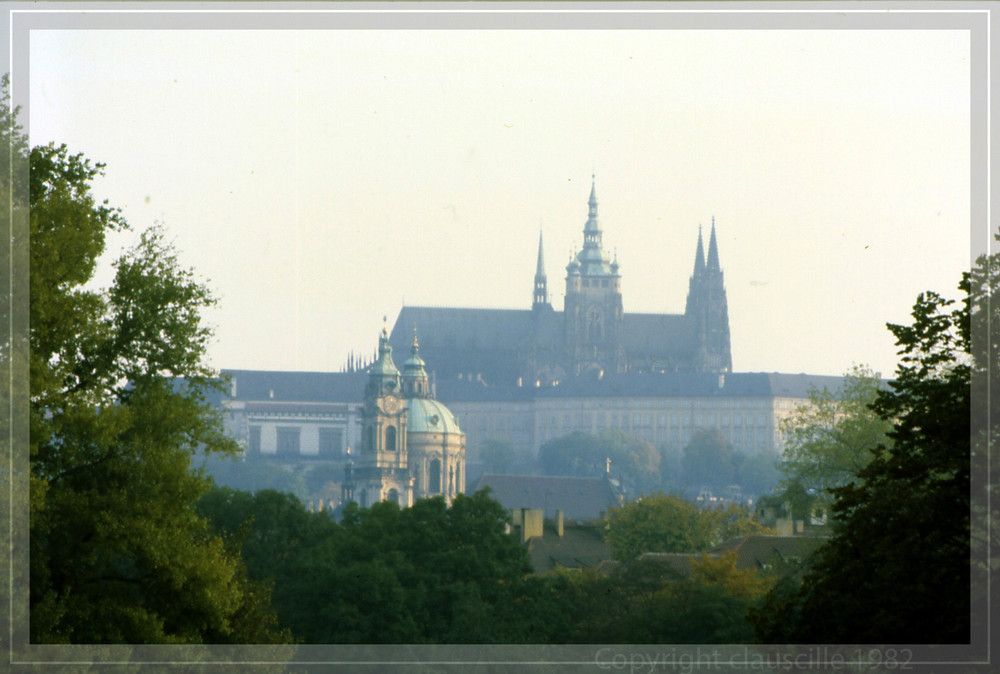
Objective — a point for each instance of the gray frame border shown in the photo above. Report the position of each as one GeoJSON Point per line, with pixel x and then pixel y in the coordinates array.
{"type": "Point", "coordinates": [21, 18]}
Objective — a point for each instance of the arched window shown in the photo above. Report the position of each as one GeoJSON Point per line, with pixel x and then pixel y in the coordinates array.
{"type": "Point", "coordinates": [394, 496]}
{"type": "Point", "coordinates": [434, 477]}
{"type": "Point", "coordinates": [390, 439]}
{"type": "Point", "coordinates": [364, 498]}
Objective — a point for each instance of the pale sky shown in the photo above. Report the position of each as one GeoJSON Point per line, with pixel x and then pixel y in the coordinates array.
{"type": "Point", "coordinates": [319, 180]}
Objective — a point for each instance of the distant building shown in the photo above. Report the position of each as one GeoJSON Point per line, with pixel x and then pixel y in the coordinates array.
{"type": "Point", "coordinates": [591, 335]}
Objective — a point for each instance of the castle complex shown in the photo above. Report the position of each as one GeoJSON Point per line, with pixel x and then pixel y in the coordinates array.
{"type": "Point", "coordinates": [523, 376]}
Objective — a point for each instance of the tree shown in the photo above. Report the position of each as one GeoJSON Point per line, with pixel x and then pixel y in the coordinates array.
{"type": "Point", "coordinates": [832, 437]}
{"type": "Point", "coordinates": [425, 574]}
{"type": "Point", "coordinates": [662, 523]}
{"type": "Point", "coordinates": [117, 407]}
{"type": "Point", "coordinates": [707, 460]}
{"type": "Point", "coordinates": [635, 461]}
{"type": "Point", "coordinates": [756, 473]}
{"type": "Point", "coordinates": [897, 569]}
{"type": "Point", "coordinates": [497, 456]}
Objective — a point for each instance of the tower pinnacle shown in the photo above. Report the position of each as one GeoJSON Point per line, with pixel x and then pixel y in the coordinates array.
{"type": "Point", "coordinates": [541, 294]}
{"type": "Point", "coordinates": [699, 256]}
{"type": "Point", "coordinates": [713, 250]}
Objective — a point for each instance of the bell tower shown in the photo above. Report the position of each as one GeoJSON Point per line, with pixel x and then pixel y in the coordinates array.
{"type": "Point", "coordinates": [381, 473]}
{"type": "Point", "coordinates": [593, 313]}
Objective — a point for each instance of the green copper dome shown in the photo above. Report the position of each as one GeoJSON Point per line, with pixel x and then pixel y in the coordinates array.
{"type": "Point", "coordinates": [426, 415]}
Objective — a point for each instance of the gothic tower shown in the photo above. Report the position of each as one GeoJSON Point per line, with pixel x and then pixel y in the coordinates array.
{"type": "Point", "coordinates": [593, 313]}
{"type": "Point", "coordinates": [541, 294]}
{"type": "Point", "coordinates": [708, 308]}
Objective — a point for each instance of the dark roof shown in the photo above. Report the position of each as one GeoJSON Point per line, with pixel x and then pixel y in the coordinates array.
{"type": "Point", "coordinates": [459, 328]}
{"type": "Point", "coordinates": [679, 563]}
{"type": "Point", "coordinates": [348, 387]}
{"type": "Point", "coordinates": [490, 341]}
{"type": "Point", "coordinates": [753, 552]}
{"type": "Point", "coordinates": [580, 498]}
{"type": "Point", "coordinates": [464, 391]}
{"type": "Point", "coordinates": [580, 547]}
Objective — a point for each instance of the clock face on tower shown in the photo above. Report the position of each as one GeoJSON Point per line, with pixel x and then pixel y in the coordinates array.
{"type": "Point", "coordinates": [390, 404]}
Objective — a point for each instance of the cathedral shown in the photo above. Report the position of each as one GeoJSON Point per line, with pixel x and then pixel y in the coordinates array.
{"type": "Point", "coordinates": [592, 335]}
{"type": "Point", "coordinates": [411, 444]}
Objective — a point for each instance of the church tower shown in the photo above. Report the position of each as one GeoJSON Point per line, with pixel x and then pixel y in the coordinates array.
{"type": "Point", "coordinates": [415, 381]}
{"type": "Point", "coordinates": [540, 298]}
{"type": "Point", "coordinates": [708, 308]}
{"type": "Point", "coordinates": [382, 473]}
{"type": "Point", "coordinates": [593, 312]}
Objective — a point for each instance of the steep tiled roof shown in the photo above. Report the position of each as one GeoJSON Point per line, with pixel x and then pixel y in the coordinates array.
{"type": "Point", "coordinates": [580, 547]}
{"type": "Point", "coordinates": [349, 387]}
{"type": "Point", "coordinates": [753, 552]}
{"type": "Point", "coordinates": [489, 341]}
{"type": "Point", "coordinates": [580, 498]}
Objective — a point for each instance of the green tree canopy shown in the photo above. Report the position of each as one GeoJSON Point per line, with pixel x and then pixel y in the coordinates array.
{"type": "Point", "coordinates": [634, 461]}
{"type": "Point", "coordinates": [708, 460]}
{"type": "Point", "coordinates": [497, 456]}
{"type": "Point", "coordinates": [425, 574]}
{"type": "Point", "coordinates": [897, 569]}
{"type": "Point", "coordinates": [832, 437]}
{"type": "Point", "coordinates": [118, 553]}
{"type": "Point", "coordinates": [664, 523]}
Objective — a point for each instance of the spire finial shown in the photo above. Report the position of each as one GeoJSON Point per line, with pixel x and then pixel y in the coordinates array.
{"type": "Point", "coordinates": [699, 255]}
{"type": "Point", "coordinates": [713, 250]}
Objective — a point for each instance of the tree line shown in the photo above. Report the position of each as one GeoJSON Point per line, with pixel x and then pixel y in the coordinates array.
{"type": "Point", "coordinates": [131, 543]}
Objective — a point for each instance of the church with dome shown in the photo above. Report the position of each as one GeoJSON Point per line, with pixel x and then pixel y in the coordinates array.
{"type": "Point", "coordinates": [411, 444]}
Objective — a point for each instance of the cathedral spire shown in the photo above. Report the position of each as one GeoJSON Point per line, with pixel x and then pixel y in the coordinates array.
{"type": "Point", "coordinates": [541, 295]}
{"type": "Point", "coordinates": [592, 223]}
{"type": "Point", "coordinates": [713, 250]}
{"type": "Point", "coordinates": [592, 230]}
{"type": "Point", "coordinates": [699, 256]}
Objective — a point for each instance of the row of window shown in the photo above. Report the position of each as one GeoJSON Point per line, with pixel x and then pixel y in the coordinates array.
{"type": "Point", "coordinates": [747, 437]}
{"type": "Point", "coordinates": [288, 441]}
{"type": "Point", "coordinates": [625, 420]}
{"type": "Point", "coordinates": [667, 403]}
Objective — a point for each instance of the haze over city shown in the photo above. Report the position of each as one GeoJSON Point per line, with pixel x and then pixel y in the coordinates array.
{"type": "Point", "coordinates": [319, 180]}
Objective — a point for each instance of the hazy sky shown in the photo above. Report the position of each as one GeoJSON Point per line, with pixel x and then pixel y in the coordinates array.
{"type": "Point", "coordinates": [321, 179]}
